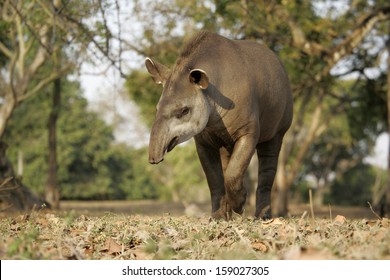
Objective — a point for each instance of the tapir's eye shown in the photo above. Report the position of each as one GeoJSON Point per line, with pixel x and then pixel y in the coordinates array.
{"type": "Point", "coordinates": [182, 112]}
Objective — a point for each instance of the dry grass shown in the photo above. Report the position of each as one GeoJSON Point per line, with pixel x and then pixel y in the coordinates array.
{"type": "Point", "coordinates": [44, 235]}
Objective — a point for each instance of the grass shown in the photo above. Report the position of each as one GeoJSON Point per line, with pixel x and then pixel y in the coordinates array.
{"type": "Point", "coordinates": [48, 235]}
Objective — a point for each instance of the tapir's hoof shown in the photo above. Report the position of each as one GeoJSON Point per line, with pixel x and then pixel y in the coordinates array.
{"type": "Point", "coordinates": [263, 213]}
{"type": "Point", "coordinates": [240, 210]}
{"type": "Point", "coordinates": [265, 217]}
{"type": "Point", "coordinates": [220, 214]}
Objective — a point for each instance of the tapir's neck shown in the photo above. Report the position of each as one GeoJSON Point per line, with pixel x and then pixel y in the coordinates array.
{"type": "Point", "coordinates": [219, 105]}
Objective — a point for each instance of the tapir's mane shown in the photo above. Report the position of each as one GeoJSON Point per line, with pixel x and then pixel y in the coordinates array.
{"type": "Point", "coordinates": [193, 45]}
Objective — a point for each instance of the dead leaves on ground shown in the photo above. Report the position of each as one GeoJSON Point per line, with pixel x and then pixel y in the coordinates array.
{"type": "Point", "coordinates": [111, 247]}
{"type": "Point", "coordinates": [49, 236]}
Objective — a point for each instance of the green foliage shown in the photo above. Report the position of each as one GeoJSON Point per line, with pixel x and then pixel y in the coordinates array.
{"type": "Point", "coordinates": [353, 188]}
{"type": "Point", "coordinates": [367, 114]}
{"type": "Point", "coordinates": [91, 165]}
{"type": "Point", "coordinates": [145, 93]}
{"type": "Point", "coordinates": [181, 176]}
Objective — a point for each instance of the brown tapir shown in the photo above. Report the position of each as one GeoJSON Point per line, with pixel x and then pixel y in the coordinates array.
{"type": "Point", "coordinates": [233, 97]}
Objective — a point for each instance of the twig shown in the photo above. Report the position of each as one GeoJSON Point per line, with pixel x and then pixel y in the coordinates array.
{"type": "Point", "coordinates": [372, 210]}
{"type": "Point", "coordinates": [330, 213]}
{"type": "Point", "coordinates": [5, 181]}
{"type": "Point", "coordinates": [311, 203]}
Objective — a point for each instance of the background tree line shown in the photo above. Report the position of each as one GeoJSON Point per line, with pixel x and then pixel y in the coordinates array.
{"type": "Point", "coordinates": [335, 54]}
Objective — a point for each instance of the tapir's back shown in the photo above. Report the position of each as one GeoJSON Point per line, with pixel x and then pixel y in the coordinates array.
{"type": "Point", "coordinates": [250, 75]}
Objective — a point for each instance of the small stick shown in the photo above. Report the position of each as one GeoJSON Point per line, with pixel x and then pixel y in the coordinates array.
{"type": "Point", "coordinates": [330, 213]}
{"type": "Point", "coordinates": [372, 210]}
{"type": "Point", "coordinates": [311, 203]}
{"type": "Point", "coordinates": [304, 215]}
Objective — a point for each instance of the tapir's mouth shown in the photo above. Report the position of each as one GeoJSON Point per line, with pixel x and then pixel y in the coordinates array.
{"type": "Point", "coordinates": [153, 159]}
{"type": "Point", "coordinates": [172, 144]}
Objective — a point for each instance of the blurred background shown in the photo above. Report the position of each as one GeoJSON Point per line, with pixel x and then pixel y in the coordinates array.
{"type": "Point", "coordinates": [77, 103]}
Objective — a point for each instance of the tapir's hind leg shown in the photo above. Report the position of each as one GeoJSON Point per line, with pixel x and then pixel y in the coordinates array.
{"type": "Point", "coordinates": [268, 153]}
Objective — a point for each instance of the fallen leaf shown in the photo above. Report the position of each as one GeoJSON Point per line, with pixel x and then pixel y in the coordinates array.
{"type": "Point", "coordinates": [111, 247]}
{"type": "Point", "coordinates": [139, 254]}
{"type": "Point", "coordinates": [42, 221]}
{"type": "Point", "coordinates": [385, 223]}
{"type": "Point", "coordinates": [273, 222]}
{"type": "Point", "coordinates": [340, 220]}
{"type": "Point", "coordinates": [181, 244]}
{"type": "Point", "coordinates": [15, 227]}
{"type": "Point", "coordinates": [259, 246]}
{"type": "Point", "coordinates": [303, 253]}
{"type": "Point", "coordinates": [371, 223]}
{"type": "Point", "coordinates": [21, 218]}
{"type": "Point", "coordinates": [88, 251]}
{"type": "Point", "coordinates": [266, 222]}
{"type": "Point", "coordinates": [381, 234]}
{"type": "Point", "coordinates": [170, 231]}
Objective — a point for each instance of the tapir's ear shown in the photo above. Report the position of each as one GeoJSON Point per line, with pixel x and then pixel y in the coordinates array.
{"type": "Point", "coordinates": [159, 72]}
{"type": "Point", "coordinates": [200, 78]}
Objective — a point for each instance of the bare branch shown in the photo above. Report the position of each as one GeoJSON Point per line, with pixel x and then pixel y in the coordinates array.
{"type": "Point", "coordinates": [29, 27]}
{"type": "Point", "coordinates": [354, 39]}
{"type": "Point", "coordinates": [41, 54]}
{"type": "Point", "coordinates": [91, 37]}
{"type": "Point", "coordinates": [5, 50]}
{"type": "Point", "coordinates": [44, 82]}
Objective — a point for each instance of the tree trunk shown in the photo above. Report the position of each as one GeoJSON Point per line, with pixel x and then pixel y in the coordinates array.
{"type": "Point", "coordinates": [280, 201]}
{"type": "Point", "coordinates": [387, 203]}
{"type": "Point", "coordinates": [7, 108]}
{"type": "Point", "coordinates": [52, 193]}
{"type": "Point", "coordinates": [319, 193]}
{"type": "Point", "coordinates": [14, 196]}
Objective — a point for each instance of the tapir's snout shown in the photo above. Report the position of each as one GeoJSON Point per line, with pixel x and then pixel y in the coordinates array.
{"type": "Point", "coordinates": [160, 142]}
{"type": "Point", "coordinates": [152, 160]}
{"type": "Point", "coordinates": [156, 154]}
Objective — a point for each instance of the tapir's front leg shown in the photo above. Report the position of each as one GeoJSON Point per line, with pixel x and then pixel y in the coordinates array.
{"type": "Point", "coordinates": [235, 191]}
{"type": "Point", "coordinates": [212, 166]}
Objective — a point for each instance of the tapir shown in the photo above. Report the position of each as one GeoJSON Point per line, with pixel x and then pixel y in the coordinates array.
{"type": "Point", "coordinates": [234, 98]}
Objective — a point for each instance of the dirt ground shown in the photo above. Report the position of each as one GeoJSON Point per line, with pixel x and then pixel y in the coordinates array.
{"type": "Point", "coordinates": [104, 230]}
{"type": "Point", "coordinates": [150, 207]}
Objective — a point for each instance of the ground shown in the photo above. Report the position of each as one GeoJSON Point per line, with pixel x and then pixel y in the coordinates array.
{"type": "Point", "coordinates": [120, 234]}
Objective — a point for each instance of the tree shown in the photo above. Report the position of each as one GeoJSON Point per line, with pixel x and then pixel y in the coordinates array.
{"type": "Point", "coordinates": [350, 135]}
{"type": "Point", "coordinates": [52, 193]}
{"type": "Point", "coordinates": [387, 203]}
{"type": "Point", "coordinates": [91, 165]}
{"type": "Point", "coordinates": [37, 34]}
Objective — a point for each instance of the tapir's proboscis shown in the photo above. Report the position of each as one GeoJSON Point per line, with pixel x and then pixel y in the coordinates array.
{"type": "Point", "coordinates": [234, 98]}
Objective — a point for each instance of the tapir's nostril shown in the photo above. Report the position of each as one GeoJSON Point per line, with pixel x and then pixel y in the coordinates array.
{"type": "Point", "coordinates": [153, 161]}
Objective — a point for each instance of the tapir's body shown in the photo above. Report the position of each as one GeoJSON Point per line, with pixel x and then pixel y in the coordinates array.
{"type": "Point", "coordinates": [234, 98]}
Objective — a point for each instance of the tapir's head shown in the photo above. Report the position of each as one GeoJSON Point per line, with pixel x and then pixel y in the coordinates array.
{"type": "Point", "coordinates": [183, 110]}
